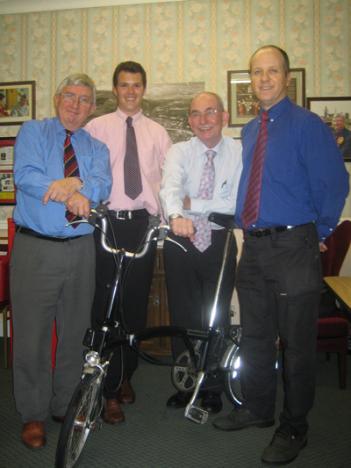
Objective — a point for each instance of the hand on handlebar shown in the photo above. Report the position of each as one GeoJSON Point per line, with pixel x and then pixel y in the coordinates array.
{"type": "Point", "coordinates": [79, 205]}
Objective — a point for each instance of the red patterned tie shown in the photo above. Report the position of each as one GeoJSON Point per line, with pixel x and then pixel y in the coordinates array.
{"type": "Point", "coordinates": [132, 177]}
{"type": "Point", "coordinates": [71, 170]}
{"type": "Point", "coordinates": [252, 200]}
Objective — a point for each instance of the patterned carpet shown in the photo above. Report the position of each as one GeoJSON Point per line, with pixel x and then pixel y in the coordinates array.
{"type": "Point", "coordinates": [156, 437]}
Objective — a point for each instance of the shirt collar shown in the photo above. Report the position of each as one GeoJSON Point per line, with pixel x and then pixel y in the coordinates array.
{"type": "Point", "coordinates": [124, 116]}
{"type": "Point", "coordinates": [204, 148]}
{"type": "Point", "coordinates": [277, 109]}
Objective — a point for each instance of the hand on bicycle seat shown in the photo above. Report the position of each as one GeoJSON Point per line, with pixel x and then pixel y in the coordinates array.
{"type": "Point", "coordinates": [183, 227]}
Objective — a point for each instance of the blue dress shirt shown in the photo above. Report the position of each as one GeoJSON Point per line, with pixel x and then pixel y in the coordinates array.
{"type": "Point", "coordinates": [39, 161]}
{"type": "Point", "coordinates": [304, 177]}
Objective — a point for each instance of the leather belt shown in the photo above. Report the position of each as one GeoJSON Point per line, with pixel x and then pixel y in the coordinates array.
{"type": "Point", "coordinates": [263, 232]}
{"type": "Point", "coordinates": [30, 232]}
{"type": "Point", "coordinates": [127, 215]}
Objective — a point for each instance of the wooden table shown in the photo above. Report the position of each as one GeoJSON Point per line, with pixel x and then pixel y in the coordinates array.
{"type": "Point", "coordinates": [341, 287]}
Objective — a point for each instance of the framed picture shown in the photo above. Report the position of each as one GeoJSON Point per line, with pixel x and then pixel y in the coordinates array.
{"type": "Point", "coordinates": [17, 102]}
{"type": "Point", "coordinates": [7, 186]}
{"type": "Point", "coordinates": [336, 113]}
{"type": "Point", "coordinates": [243, 105]}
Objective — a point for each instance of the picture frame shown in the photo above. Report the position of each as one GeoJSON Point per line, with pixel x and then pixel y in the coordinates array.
{"type": "Point", "coordinates": [328, 108]}
{"type": "Point", "coordinates": [7, 186]}
{"type": "Point", "coordinates": [243, 105]}
{"type": "Point", "coordinates": [17, 102]}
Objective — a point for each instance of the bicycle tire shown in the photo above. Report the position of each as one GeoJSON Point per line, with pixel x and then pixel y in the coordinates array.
{"type": "Point", "coordinates": [81, 418]}
{"type": "Point", "coordinates": [232, 384]}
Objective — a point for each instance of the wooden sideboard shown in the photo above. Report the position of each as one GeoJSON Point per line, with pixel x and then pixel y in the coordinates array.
{"type": "Point", "coordinates": [158, 309]}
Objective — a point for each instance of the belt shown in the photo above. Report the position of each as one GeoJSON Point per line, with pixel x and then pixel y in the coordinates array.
{"type": "Point", "coordinates": [125, 215]}
{"type": "Point", "coordinates": [30, 232]}
{"type": "Point", "coordinates": [268, 231]}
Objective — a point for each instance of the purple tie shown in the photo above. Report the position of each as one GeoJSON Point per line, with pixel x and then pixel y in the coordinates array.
{"type": "Point", "coordinates": [71, 170]}
{"type": "Point", "coordinates": [132, 177]}
{"type": "Point", "coordinates": [202, 238]}
{"type": "Point", "coordinates": [252, 200]}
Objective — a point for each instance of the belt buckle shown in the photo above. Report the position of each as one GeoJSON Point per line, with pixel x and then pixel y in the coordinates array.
{"type": "Point", "coordinates": [122, 215]}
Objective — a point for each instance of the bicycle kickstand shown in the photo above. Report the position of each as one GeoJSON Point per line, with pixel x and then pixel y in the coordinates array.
{"type": "Point", "coordinates": [192, 412]}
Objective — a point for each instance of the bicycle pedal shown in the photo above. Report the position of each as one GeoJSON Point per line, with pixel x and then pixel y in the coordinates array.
{"type": "Point", "coordinates": [196, 414]}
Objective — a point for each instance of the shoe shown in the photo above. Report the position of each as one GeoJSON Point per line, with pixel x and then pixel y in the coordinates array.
{"type": "Point", "coordinates": [240, 418]}
{"type": "Point", "coordinates": [212, 402]}
{"type": "Point", "coordinates": [113, 413]}
{"type": "Point", "coordinates": [58, 419]}
{"type": "Point", "coordinates": [126, 393]}
{"type": "Point", "coordinates": [284, 447]}
{"type": "Point", "coordinates": [179, 400]}
{"type": "Point", "coordinates": [33, 434]}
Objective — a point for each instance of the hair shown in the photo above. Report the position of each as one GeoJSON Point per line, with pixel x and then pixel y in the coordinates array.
{"type": "Point", "coordinates": [77, 79]}
{"type": "Point", "coordinates": [131, 67]}
{"type": "Point", "coordinates": [286, 61]}
{"type": "Point", "coordinates": [209, 93]}
{"type": "Point", "coordinates": [340, 116]}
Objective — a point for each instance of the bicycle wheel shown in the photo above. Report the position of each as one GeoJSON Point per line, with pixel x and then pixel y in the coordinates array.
{"type": "Point", "coordinates": [232, 385]}
{"type": "Point", "coordinates": [81, 418]}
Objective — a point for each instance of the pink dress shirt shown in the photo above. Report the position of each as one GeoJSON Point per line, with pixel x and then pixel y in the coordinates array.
{"type": "Point", "coordinates": [153, 143]}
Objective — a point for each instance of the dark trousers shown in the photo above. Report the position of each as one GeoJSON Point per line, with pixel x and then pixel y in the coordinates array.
{"type": "Point", "coordinates": [135, 288]}
{"type": "Point", "coordinates": [278, 283]}
{"type": "Point", "coordinates": [191, 279]}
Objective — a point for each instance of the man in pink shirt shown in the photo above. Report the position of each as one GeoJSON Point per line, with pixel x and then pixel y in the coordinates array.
{"type": "Point", "coordinates": [130, 216]}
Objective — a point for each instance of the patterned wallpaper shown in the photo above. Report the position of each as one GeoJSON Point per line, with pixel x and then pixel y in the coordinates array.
{"type": "Point", "coordinates": [194, 40]}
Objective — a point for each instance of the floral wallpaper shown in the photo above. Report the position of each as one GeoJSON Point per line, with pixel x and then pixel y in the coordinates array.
{"type": "Point", "coordinates": [194, 40]}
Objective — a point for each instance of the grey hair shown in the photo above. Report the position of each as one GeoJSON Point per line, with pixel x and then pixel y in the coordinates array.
{"type": "Point", "coordinates": [77, 79]}
{"type": "Point", "coordinates": [209, 93]}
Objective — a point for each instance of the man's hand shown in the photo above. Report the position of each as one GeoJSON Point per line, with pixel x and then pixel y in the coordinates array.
{"type": "Point", "coordinates": [79, 205]}
{"type": "Point", "coordinates": [61, 190]}
{"type": "Point", "coordinates": [322, 247]}
{"type": "Point", "coordinates": [183, 227]}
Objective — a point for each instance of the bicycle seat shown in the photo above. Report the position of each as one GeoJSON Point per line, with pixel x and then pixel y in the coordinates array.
{"type": "Point", "coordinates": [225, 220]}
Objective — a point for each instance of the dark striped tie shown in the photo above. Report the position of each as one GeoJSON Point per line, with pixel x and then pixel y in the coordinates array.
{"type": "Point", "coordinates": [132, 176]}
{"type": "Point", "coordinates": [71, 170]}
{"type": "Point", "coordinates": [253, 194]}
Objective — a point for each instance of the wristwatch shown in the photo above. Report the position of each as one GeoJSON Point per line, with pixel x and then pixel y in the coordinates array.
{"type": "Point", "coordinates": [174, 216]}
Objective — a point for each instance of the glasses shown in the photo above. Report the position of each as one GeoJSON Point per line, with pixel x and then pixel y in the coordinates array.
{"type": "Point", "coordinates": [72, 98]}
{"type": "Point", "coordinates": [207, 113]}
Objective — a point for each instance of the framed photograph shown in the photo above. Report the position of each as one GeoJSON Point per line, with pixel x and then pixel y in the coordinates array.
{"type": "Point", "coordinates": [336, 113]}
{"type": "Point", "coordinates": [7, 186]}
{"type": "Point", "coordinates": [243, 105]}
{"type": "Point", "coordinates": [17, 102]}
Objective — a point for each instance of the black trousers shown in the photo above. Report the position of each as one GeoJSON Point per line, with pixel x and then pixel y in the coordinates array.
{"type": "Point", "coordinates": [191, 279]}
{"type": "Point", "coordinates": [278, 283]}
{"type": "Point", "coordinates": [136, 285]}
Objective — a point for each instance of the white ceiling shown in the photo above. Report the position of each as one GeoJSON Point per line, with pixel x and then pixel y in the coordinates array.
{"type": "Point", "coordinates": [26, 6]}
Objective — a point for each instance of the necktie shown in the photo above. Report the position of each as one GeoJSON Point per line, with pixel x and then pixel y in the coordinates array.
{"type": "Point", "coordinates": [252, 200]}
{"type": "Point", "coordinates": [132, 177]}
{"type": "Point", "coordinates": [71, 170]}
{"type": "Point", "coordinates": [202, 238]}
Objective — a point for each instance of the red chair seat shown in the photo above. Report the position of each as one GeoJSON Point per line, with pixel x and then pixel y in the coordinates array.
{"type": "Point", "coordinates": [332, 327]}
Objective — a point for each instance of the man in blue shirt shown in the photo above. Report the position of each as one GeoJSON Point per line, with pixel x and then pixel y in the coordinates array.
{"type": "Point", "coordinates": [53, 263]}
{"type": "Point", "coordinates": [303, 189]}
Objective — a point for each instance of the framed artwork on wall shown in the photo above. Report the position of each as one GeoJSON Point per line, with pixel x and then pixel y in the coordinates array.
{"type": "Point", "coordinates": [7, 186]}
{"type": "Point", "coordinates": [17, 102]}
{"type": "Point", "coordinates": [336, 113]}
{"type": "Point", "coordinates": [243, 105]}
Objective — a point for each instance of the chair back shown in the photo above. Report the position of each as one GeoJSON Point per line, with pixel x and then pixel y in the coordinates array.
{"type": "Point", "coordinates": [338, 244]}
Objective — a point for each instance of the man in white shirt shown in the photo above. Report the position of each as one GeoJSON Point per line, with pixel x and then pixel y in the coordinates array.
{"type": "Point", "coordinates": [208, 159]}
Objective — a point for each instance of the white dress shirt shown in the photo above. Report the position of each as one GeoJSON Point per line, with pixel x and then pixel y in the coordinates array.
{"type": "Point", "coordinates": [182, 172]}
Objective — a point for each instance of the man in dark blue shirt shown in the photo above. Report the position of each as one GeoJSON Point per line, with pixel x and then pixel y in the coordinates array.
{"type": "Point", "coordinates": [303, 189]}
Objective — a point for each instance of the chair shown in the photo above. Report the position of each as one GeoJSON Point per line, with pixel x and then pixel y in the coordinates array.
{"type": "Point", "coordinates": [333, 328]}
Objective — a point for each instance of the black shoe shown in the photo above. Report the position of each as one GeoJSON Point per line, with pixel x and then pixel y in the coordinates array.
{"type": "Point", "coordinates": [179, 400]}
{"type": "Point", "coordinates": [212, 402]}
{"type": "Point", "coordinates": [284, 447]}
{"type": "Point", "coordinates": [240, 418]}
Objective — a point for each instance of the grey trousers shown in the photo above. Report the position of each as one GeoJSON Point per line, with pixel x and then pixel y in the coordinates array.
{"type": "Point", "coordinates": [49, 280]}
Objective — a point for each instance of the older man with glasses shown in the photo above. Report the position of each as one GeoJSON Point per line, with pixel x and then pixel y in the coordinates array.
{"type": "Point", "coordinates": [60, 172]}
